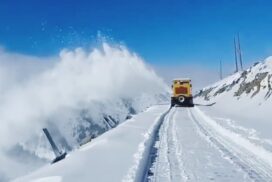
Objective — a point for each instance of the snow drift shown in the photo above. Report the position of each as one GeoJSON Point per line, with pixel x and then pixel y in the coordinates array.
{"type": "Point", "coordinates": [80, 94]}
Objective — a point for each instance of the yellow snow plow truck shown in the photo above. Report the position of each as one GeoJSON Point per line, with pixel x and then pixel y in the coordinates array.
{"type": "Point", "coordinates": [182, 93]}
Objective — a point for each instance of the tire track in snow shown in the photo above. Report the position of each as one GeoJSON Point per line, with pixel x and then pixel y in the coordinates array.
{"type": "Point", "coordinates": [161, 165]}
{"type": "Point", "coordinates": [255, 168]}
{"type": "Point", "coordinates": [167, 165]}
{"type": "Point", "coordinates": [149, 155]}
{"type": "Point", "coordinates": [175, 154]}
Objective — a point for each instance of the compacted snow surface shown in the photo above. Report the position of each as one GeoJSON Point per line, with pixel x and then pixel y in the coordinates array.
{"type": "Point", "coordinates": [191, 146]}
{"type": "Point", "coordinates": [194, 147]}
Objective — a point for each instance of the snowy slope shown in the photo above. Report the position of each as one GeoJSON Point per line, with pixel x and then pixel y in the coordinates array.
{"type": "Point", "coordinates": [251, 84]}
{"type": "Point", "coordinates": [243, 103]}
{"type": "Point", "coordinates": [117, 155]}
{"type": "Point", "coordinates": [246, 93]}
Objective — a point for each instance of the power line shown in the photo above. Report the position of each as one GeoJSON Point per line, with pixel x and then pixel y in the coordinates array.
{"type": "Point", "coordinates": [240, 52]}
{"type": "Point", "coordinates": [220, 70]}
{"type": "Point", "coordinates": [235, 54]}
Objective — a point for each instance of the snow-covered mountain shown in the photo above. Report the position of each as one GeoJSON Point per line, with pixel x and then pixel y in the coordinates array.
{"type": "Point", "coordinates": [255, 82]}
{"type": "Point", "coordinates": [243, 102]}
{"type": "Point", "coordinates": [82, 95]}
{"type": "Point", "coordinates": [246, 91]}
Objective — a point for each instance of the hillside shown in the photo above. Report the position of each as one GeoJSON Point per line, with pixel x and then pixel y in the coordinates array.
{"type": "Point", "coordinates": [253, 83]}
{"type": "Point", "coordinates": [243, 100]}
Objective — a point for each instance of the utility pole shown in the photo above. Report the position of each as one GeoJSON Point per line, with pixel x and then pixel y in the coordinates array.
{"type": "Point", "coordinates": [220, 70]}
{"type": "Point", "coordinates": [240, 53]}
{"type": "Point", "coordinates": [235, 54]}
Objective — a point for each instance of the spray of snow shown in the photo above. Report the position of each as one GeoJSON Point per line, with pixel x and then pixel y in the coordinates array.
{"type": "Point", "coordinates": [55, 90]}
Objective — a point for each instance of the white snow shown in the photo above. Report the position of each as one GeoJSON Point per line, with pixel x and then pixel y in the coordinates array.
{"type": "Point", "coordinates": [243, 122]}
{"type": "Point", "coordinates": [77, 80]}
{"type": "Point", "coordinates": [194, 147]}
{"type": "Point", "coordinates": [71, 96]}
{"type": "Point", "coordinates": [229, 141]}
{"type": "Point", "coordinates": [255, 151]}
{"type": "Point", "coordinates": [116, 155]}
{"type": "Point", "coordinates": [247, 110]}
{"type": "Point", "coordinates": [186, 154]}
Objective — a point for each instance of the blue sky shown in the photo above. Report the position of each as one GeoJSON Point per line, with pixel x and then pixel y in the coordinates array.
{"type": "Point", "coordinates": [163, 32]}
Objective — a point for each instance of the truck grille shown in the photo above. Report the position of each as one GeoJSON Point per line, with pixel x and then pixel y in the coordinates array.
{"type": "Point", "coordinates": [181, 90]}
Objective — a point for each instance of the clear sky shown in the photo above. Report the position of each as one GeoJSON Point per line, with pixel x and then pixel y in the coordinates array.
{"type": "Point", "coordinates": [161, 31]}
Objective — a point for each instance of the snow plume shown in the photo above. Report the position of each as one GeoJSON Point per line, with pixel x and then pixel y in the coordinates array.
{"type": "Point", "coordinates": [75, 93]}
{"type": "Point", "coordinates": [17, 68]}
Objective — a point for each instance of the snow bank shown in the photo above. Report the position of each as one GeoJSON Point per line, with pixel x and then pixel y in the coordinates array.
{"type": "Point", "coordinates": [81, 93]}
{"type": "Point", "coordinates": [115, 156]}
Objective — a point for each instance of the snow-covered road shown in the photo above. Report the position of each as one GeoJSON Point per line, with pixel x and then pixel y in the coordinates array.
{"type": "Point", "coordinates": [162, 145]}
{"type": "Point", "coordinates": [193, 147]}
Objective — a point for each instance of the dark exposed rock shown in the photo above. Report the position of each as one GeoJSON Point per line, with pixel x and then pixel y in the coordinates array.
{"type": "Point", "coordinates": [269, 92]}
{"type": "Point", "coordinates": [88, 128]}
{"type": "Point", "coordinates": [129, 117]}
{"type": "Point", "coordinates": [204, 93]}
{"type": "Point", "coordinates": [226, 87]}
{"type": "Point", "coordinates": [221, 90]}
{"type": "Point", "coordinates": [247, 87]}
{"type": "Point", "coordinates": [256, 63]}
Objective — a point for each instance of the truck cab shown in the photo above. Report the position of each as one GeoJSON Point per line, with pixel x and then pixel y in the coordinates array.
{"type": "Point", "coordinates": [182, 93]}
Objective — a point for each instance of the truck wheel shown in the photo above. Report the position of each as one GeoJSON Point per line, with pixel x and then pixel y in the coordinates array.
{"type": "Point", "coordinates": [181, 99]}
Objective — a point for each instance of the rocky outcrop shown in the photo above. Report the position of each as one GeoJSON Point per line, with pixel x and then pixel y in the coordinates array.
{"type": "Point", "coordinates": [204, 93]}
{"type": "Point", "coordinates": [251, 82]}
{"type": "Point", "coordinates": [255, 84]}
{"type": "Point", "coordinates": [269, 87]}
